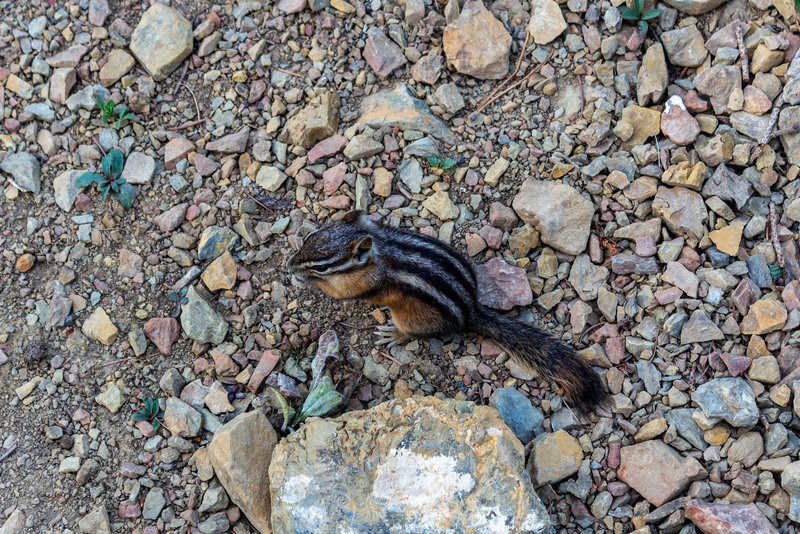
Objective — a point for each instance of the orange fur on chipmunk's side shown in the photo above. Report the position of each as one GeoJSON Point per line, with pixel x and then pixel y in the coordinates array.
{"type": "Point", "coordinates": [431, 290]}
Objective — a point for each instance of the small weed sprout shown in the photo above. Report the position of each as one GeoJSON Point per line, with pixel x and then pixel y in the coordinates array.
{"type": "Point", "coordinates": [110, 181]}
{"type": "Point", "coordinates": [152, 413]}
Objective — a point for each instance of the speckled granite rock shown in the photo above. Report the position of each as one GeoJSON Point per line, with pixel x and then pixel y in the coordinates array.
{"type": "Point", "coordinates": [419, 465]}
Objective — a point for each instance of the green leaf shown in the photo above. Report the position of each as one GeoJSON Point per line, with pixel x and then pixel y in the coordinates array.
{"type": "Point", "coordinates": [775, 271]}
{"type": "Point", "coordinates": [106, 190]}
{"type": "Point", "coordinates": [642, 27]}
{"type": "Point", "coordinates": [797, 4]}
{"type": "Point", "coordinates": [627, 13]}
{"type": "Point", "coordinates": [117, 159]}
{"type": "Point", "coordinates": [86, 179]}
{"type": "Point", "coordinates": [176, 312]}
{"type": "Point", "coordinates": [152, 405]}
{"type": "Point", "coordinates": [653, 13]}
{"type": "Point", "coordinates": [278, 401]}
{"type": "Point", "coordinates": [173, 297]}
{"type": "Point", "coordinates": [140, 416]}
{"type": "Point", "coordinates": [118, 124]}
{"type": "Point", "coordinates": [184, 290]}
{"type": "Point", "coordinates": [434, 161]}
{"type": "Point", "coordinates": [156, 425]}
{"type": "Point", "coordinates": [638, 5]}
{"type": "Point", "coordinates": [320, 401]}
{"type": "Point", "coordinates": [448, 164]}
{"type": "Point", "coordinates": [327, 350]}
{"type": "Point", "coordinates": [126, 195]}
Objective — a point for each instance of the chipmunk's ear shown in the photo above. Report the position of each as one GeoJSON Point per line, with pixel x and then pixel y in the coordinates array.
{"type": "Point", "coordinates": [354, 217]}
{"type": "Point", "coordinates": [362, 250]}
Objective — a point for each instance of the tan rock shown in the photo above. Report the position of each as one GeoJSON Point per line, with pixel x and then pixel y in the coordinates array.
{"type": "Point", "coordinates": [683, 174]}
{"type": "Point", "coordinates": [546, 22]}
{"type": "Point", "coordinates": [175, 150]}
{"type": "Point", "coordinates": [61, 83]}
{"type": "Point", "coordinates": [98, 327]}
{"type": "Point", "coordinates": [653, 76]}
{"type": "Point", "coordinates": [161, 40]}
{"type": "Point", "coordinates": [383, 182]}
{"type": "Point", "coordinates": [764, 59]}
{"type": "Point", "coordinates": [496, 171]}
{"type": "Point", "coordinates": [221, 274]}
{"type": "Point", "coordinates": [645, 124]}
{"type": "Point", "coordinates": [727, 239]}
{"type": "Point", "coordinates": [118, 64]}
{"type": "Point", "coordinates": [765, 316]}
{"type": "Point", "coordinates": [440, 205]}
{"type": "Point", "coordinates": [554, 457]}
{"type": "Point", "coordinates": [316, 121]}
{"type": "Point", "coordinates": [477, 44]}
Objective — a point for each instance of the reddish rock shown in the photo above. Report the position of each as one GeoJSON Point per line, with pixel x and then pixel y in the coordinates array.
{"type": "Point", "coordinates": [175, 150]}
{"type": "Point", "coordinates": [694, 102]}
{"type": "Point", "coordinates": [129, 509]}
{"type": "Point", "coordinates": [265, 366]}
{"type": "Point", "coordinates": [225, 365]}
{"type": "Point", "coordinates": [718, 518]}
{"type": "Point", "coordinates": [333, 178]}
{"type": "Point", "coordinates": [791, 295]}
{"type": "Point", "coordinates": [172, 218]}
{"type": "Point", "coordinates": [25, 263]}
{"type": "Point", "coordinates": [657, 471]}
{"type": "Point", "coordinates": [327, 147]}
{"type": "Point", "coordinates": [234, 143]}
{"type": "Point", "coordinates": [502, 286]}
{"type": "Point", "coordinates": [163, 332]}
{"type": "Point", "coordinates": [205, 166]}
{"type": "Point", "coordinates": [677, 123]}
{"type": "Point", "coordinates": [340, 202]}
{"type": "Point", "coordinates": [382, 54]}
{"type": "Point", "coordinates": [736, 364]}
{"type": "Point", "coordinates": [292, 6]}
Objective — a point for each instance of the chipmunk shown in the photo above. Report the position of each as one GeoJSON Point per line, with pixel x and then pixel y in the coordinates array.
{"type": "Point", "coordinates": [431, 291]}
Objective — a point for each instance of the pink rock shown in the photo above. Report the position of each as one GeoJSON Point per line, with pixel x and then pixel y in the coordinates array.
{"type": "Point", "coordinates": [475, 244]}
{"type": "Point", "coordinates": [146, 428]}
{"type": "Point", "coordinates": [265, 366]}
{"type": "Point", "coordinates": [694, 102]}
{"type": "Point", "coordinates": [493, 236]}
{"type": "Point", "coordinates": [234, 143]}
{"type": "Point", "coordinates": [172, 218]}
{"type": "Point", "coordinates": [205, 166]}
{"type": "Point", "coordinates": [340, 202]}
{"type": "Point", "coordinates": [615, 349]}
{"type": "Point", "coordinates": [163, 332]}
{"type": "Point", "coordinates": [382, 54]}
{"type": "Point", "coordinates": [327, 147]}
{"type": "Point", "coordinates": [129, 509]}
{"type": "Point", "coordinates": [668, 295]}
{"type": "Point", "coordinates": [333, 178]}
{"type": "Point", "coordinates": [502, 286]}
{"type": "Point", "coordinates": [736, 364]}
{"type": "Point", "coordinates": [175, 150]}
{"type": "Point", "coordinates": [80, 416]}
{"type": "Point", "coordinates": [718, 518]}
{"type": "Point", "coordinates": [292, 6]}
{"type": "Point", "coordinates": [192, 212]}
{"type": "Point", "coordinates": [677, 123]}
{"type": "Point", "coordinates": [791, 295]}
{"type": "Point", "coordinates": [657, 471]}
{"type": "Point", "coordinates": [225, 365]}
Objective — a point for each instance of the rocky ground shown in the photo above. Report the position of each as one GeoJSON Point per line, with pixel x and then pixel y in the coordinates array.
{"type": "Point", "coordinates": [635, 194]}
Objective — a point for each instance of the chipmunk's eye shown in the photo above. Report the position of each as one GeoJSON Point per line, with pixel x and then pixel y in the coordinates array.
{"type": "Point", "coordinates": [322, 268]}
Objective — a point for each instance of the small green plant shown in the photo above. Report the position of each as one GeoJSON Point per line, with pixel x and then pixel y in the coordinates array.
{"type": "Point", "coordinates": [110, 181]}
{"type": "Point", "coordinates": [152, 413]}
{"type": "Point", "coordinates": [179, 298]}
{"type": "Point", "coordinates": [322, 396]}
{"type": "Point", "coordinates": [442, 164]}
{"type": "Point", "coordinates": [637, 16]}
{"type": "Point", "coordinates": [776, 271]}
{"type": "Point", "coordinates": [108, 111]}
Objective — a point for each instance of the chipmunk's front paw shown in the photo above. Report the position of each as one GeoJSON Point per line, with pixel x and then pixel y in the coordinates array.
{"type": "Point", "coordinates": [390, 336]}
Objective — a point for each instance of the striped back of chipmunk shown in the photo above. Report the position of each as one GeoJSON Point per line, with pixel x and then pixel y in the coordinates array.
{"type": "Point", "coordinates": [428, 270]}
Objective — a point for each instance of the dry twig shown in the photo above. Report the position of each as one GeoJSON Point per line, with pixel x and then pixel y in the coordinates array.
{"type": "Point", "coordinates": [290, 73]}
{"type": "Point", "coordinates": [523, 80]}
{"type": "Point", "coordinates": [773, 118]}
{"type": "Point", "coordinates": [773, 229]}
{"type": "Point", "coordinates": [743, 55]}
{"type": "Point", "coordinates": [197, 109]}
{"type": "Point", "coordinates": [388, 357]}
{"type": "Point", "coordinates": [516, 70]}
{"type": "Point", "coordinates": [8, 453]}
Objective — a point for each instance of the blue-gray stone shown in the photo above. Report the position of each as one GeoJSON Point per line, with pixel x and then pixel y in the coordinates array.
{"type": "Point", "coordinates": [25, 170]}
{"type": "Point", "coordinates": [681, 419]}
{"type": "Point", "coordinates": [518, 413]}
{"type": "Point", "coordinates": [731, 399]}
{"type": "Point", "coordinates": [717, 257]}
{"type": "Point", "coordinates": [758, 268]}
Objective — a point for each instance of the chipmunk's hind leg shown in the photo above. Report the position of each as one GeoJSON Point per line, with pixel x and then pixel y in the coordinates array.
{"type": "Point", "coordinates": [390, 336]}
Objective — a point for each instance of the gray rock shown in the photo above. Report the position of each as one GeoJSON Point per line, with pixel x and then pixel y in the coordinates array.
{"type": "Point", "coordinates": [392, 475]}
{"type": "Point", "coordinates": [449, 97]}
{"type": "Point", "coordinates": [95, 522]}
{"type": "Point", "coordinates": [758, 270]}
{"type": "Point", "coordinates": [700, 329]}
{"type": "Point", "coordinates": [682, 210]}
{"type": "Point", "coordinates": [234, 143]}
{"type": "Point", "coordinates": [730, 399]}
{"type": "Point", "coordinates": [396, 107]}
{"type": "Point", "coordinates": [559, 212]}
{"type": "Point", "coordinates": [41, 111]}
{"type": "Point", "coordinates": [586, 277]}
{"type": "Point", "coordinates": [382, 54]}
{"type": "Point", "coordinates": [681, 419]}
{"type": "Point", "coordinates": [154, 503]}
{"type": "Point", "coordinates": [65, 189]}
{"type": "Point", "coordinates": [172, 382]}
{"type": "Point", "coordinates": [216, 524]}
{"type": "Point", "coordinates": [200, 321]}
{"type": "Point", "coordinates": [410, 174]}
{"type": "Point", "coordinates": [139, 168]}
{"type": "Point", "coordinates": [214, 241]}
{"type": "Point", "coordinates": [685, 46]}
{"type": "Point", "coordinates": [24, 170]}
{"type": "Point", "coordinates": [181, 419]}
{"type": "Point", "coordinates": [791, 88]}
{"type": "Point", "coordinates": [362, 146]}
{"type": "Point", "coordinates": [727, 185]}
{"type": "Point", "coordinates": [86, 98]}
{"type": "Point", "coordinates": [695, 7]}
{"type": "Point", "coordinates": [98, 11]}
{"type": "Point", "coordinates": [518, 413]}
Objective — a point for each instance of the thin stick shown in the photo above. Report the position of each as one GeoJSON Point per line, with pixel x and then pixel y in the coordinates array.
{"type": "Point", "coordinates": [196, 106]}
{"type": "Point", "coordinates": [773, 118]}
{"type": "Point", "coordinates": [526, 78]}
{"type": "Point", "coordinates": [519, 62]}
{"type": "Point", "coordinates": [386, 355]}
{"type": "Point", "coordinates": [254, 199]}
{"type": "Point", "coordinates": [743, 55]}
{"type": "Point", "coordinates": [290, 73]}
{"type": "Point", "coordinates": [180, 80]}
{"type": "Point", "coordinates": [583, 96]}
{"type": "Point", "coordinates": [9, 452]}
{"type": "Point", "coordinates": [354, 327]}
{"type": "Point", "coordinates": [773, 228]}
{"type": "Point", "coordinates": [187, 125]}
{"type": "Point", "coordinates": [96, 142]}
{"type": "Point", "coordinates": [785, 131]}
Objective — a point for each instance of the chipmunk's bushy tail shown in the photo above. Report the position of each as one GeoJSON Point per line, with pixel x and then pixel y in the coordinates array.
{"type": "Point", "coordinates": [548, 357]}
